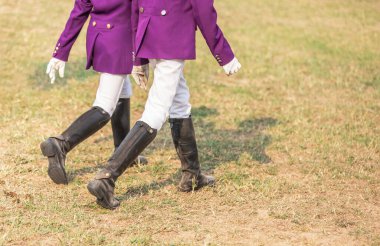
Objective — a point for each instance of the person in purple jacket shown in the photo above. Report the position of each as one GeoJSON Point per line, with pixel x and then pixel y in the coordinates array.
{"type": "Point", "coordinates": [165, 35]}
{"type": "Point", "coordinates": [109, 52]}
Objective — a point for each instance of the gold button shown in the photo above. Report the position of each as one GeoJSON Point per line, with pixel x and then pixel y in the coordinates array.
{"type": "Point", "coordinates": [108, 26]}
{"type": "Point", "coordinates": [94, 23]}
{"type": "Point", "coordinates": [163, 12]}
{"type": "Point", "coordinates": [141, 10]}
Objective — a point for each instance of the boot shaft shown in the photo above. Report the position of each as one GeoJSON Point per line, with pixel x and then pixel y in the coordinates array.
{"type": "Point", "coordinates": [183, 135]}
{"type": "Point", "coordinates": [139, 137]}
{"type": "Point", "coordinates": [120, 121]}
{"type": "Point", "coordinates": [83, 127]}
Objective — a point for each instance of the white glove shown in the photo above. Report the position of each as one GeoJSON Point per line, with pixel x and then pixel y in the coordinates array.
{"type": "Point", "coordinates": [54, 66]}
{"type": "Point", "coordinates": [140, 75]}
{"type": "Point", "coordinates": [232, 67]}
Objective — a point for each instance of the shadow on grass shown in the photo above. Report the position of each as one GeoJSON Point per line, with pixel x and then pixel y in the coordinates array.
{"type": "Point", "coordinates": [74, 70]}
{"type": "Point", "coordinates": [144, 189]}
{"type": "Point", "coordinates": [216, 146]}
{"type": "Point", "coordinates": [71, 175]}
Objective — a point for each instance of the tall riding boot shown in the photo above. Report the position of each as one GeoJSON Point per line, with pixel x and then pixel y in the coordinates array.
{"type": "Point", "coordinates": [56, 148]}
{"type": "Point", "coordinates": [185, 144]}
{"type": "Point", "coordinates": [102, 187]}
{"type": "Point", "coordinates": [120, 122]}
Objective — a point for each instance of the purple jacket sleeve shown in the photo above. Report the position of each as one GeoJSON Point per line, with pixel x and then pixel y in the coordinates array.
{"type": "Point", "coordinates": [74, 24]}
{"type": "Point", "coordinates": [134, 22]}
{"type": "Point", "coordinates": [206, 19]}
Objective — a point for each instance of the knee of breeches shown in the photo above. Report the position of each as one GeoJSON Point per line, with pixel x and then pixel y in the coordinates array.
{"type": "Point", "coordinates": [180, 111]}
{"type": "Point", "coordinates": [154, 119]}
{"type": "Point", "coordinates": [126, 91]}
{"type": "Point", "coordinates": [108, 107]}
{"type": "Point", "coordinates": [105, 114]}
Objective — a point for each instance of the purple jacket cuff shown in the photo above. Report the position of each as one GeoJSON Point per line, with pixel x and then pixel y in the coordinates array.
{"type": "Point", "coordinates": [225, 57]}
{"type": "Point", "coordinates": [61, 53]}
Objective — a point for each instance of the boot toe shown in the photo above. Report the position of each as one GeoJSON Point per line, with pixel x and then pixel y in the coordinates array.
{"type": "Point", "coordinates": [210, 180]}
{"type": "Point", "coordinates": [103, 193]}
{"type": "Point", "coordinates": [108, 205]}
{"type": "Point", "coordinates": [185, 187]}
{"type": "Point", "coordinates": [205, 180]}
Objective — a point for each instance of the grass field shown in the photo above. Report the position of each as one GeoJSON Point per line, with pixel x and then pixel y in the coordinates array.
{"type": "Point", "coordinates": [293, 139]}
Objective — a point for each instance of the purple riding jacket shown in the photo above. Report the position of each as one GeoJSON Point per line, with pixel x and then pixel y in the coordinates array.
{"type": "Point", "coordinates": [109, 35]}
{"type": "Point", "coordinates": [166, 29]}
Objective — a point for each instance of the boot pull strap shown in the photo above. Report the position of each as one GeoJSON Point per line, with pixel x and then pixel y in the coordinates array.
{"type": "Point", "coordinates": [103, 174]}
{"type": "Point", "coordinates": [146, 126]}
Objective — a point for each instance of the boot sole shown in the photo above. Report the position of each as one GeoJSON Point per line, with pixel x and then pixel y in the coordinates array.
{"type": "Point", "coordinates": [56, 171]}
{"type": "Point", "coordinates": [94, 188]}
{"type": "Point", "coordinates": [211, 184]}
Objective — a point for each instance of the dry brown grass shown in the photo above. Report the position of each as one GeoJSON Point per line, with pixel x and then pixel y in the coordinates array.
{"type": "Point", "coordinates": [293, 140]}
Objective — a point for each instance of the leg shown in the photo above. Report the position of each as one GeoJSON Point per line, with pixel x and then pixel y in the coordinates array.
{"type": "Point", "coordinates": [102, 187]}
{"type": "Point", "coordinates": [167, 75]}
{"type": "Point", "coordinates": [56, 148]}
{"type": "Point", "coordinates": [161, 95]}
{"type": "Point", "coordinates": [183, 135]}
{"type": "Point", "coordinates": [120, 119]}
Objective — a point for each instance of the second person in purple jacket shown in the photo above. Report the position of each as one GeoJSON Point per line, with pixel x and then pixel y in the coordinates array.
{"type": "Point", "coordinates": [165, 35]}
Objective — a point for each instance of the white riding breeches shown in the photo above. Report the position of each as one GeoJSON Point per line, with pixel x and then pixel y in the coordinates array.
{"type": "Point", "coordinates": [169, 94]}
{"type": "Point", "coordinates": [126, 90]}
{"type": "Point", "coordinates": [111, 88]}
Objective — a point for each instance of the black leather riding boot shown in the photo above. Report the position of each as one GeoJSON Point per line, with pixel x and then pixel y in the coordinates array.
{"type": "Point", "coordinates": [120, 122]}
{"type": "Point", "coordinates": [185, 144]}
{"type": "Point", "coordinates": [102, 187]}
{"type": "Point", "coordinates": [56, 148]}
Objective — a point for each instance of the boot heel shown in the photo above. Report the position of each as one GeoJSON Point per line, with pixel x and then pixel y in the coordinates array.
{"type": "Point", "coordinates": [48, 148]}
